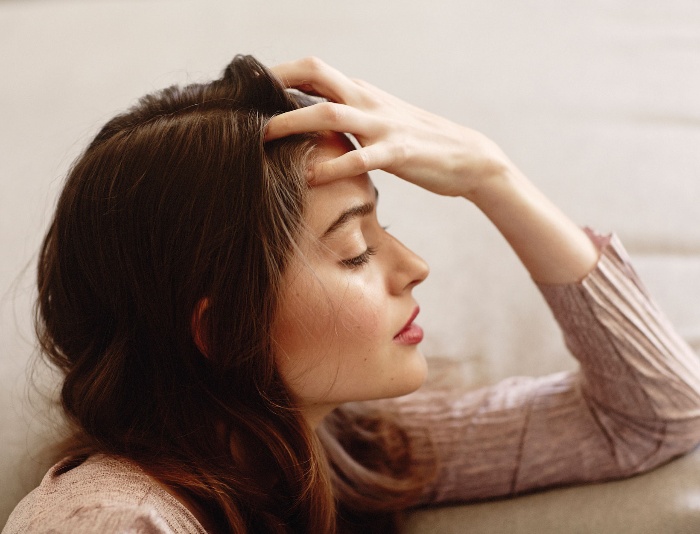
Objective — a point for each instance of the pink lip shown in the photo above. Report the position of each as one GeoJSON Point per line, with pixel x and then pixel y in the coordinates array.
{"type": "Point", "coordinates": [411, 333]}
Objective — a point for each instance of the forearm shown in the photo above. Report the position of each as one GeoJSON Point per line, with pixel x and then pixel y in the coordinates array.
{"type": "Point", "coordinates": [440, 156]}
{"type": "Point", "coordinates": [633, 405]}
{"type": "Point", "coordinates": [551, 246]}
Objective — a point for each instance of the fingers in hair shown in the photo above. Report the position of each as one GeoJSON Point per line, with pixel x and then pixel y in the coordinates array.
{"type": "Point", "coordinates": [313, 76]}
{"type": "Point", "coordinates": [353, 163]}
{"type": "Point", "coordinates": [319, 117]}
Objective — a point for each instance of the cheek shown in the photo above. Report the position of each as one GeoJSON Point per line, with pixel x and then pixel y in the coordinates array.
{"type": "Point", "coordinates": [327, 328]}
{"type": "Point", "coordinates": [358, 317]}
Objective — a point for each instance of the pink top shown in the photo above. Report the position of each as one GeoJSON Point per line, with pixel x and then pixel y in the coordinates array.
{"type": "Point", "coordinates": [634, 404]}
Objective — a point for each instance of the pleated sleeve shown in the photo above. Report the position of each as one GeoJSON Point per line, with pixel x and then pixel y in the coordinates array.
{"type": "Point", "coordinates": [633, 404]}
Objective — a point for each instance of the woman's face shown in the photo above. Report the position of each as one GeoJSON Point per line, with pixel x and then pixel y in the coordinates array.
{"type": "Point", "coordinates": [344, 330]}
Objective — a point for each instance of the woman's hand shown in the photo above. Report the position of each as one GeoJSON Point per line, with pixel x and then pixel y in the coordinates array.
{"type": "Point", "coordinates": [415, 145]}
{"type": "Point", "coordinates": [439, 156]}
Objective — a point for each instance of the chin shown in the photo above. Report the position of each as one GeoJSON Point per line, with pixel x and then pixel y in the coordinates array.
{"type": "Point", "coordinates": [413, 376]}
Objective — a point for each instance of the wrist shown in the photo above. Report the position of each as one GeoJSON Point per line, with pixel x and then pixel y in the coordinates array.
{"type": "Point", "coordinates": [553, 248]}
{"type": "Point", "coordinates": [486, 169]}
{"type": "Point", "coordinates": [499, 181]}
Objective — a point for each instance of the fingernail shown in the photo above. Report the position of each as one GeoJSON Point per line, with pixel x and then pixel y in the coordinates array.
{"type": "Point", "coordinates": [310, 174]}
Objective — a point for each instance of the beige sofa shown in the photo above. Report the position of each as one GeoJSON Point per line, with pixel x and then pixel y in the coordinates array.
{"type": "Point", "coordinates": [664, 501]}
{"type": "Point", "coordinates": [596, 101]}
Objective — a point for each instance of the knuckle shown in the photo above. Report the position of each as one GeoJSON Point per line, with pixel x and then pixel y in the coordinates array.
{"type": "Point", "coordinates": [400, 153]}
{"type": "Point", "coordinates": [313, 64]}
{"type": "Point", "coordinates": [360, 161]}
{"type": "Point", "coordinates": [332, 113]}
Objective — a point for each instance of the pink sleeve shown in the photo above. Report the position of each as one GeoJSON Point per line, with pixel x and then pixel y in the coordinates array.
{"type": "Point", "coordinates": [113, 518]}
{"type": "Point", "coordinates": [633, 404]}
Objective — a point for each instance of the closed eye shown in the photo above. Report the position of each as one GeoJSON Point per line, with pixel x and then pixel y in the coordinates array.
{"type": "Point", "coordinates": [362, 259]}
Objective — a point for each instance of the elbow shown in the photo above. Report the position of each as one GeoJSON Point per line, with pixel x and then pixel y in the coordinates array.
{"type": "Point", "coordinates": [639, 447]}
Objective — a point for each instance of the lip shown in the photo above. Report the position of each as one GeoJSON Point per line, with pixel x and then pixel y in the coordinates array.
{"type": "Point", "coordinates": [411, 333]}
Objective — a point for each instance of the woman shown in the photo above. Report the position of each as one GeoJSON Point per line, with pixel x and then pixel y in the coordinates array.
{"type": "Point", "coordinates": [216, 319]}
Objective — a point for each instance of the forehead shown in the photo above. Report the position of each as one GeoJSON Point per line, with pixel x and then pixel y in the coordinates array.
{"type": "Point", "coordinates": [332, 145]}
{"type": "Point", "coordinates": [327, 201]}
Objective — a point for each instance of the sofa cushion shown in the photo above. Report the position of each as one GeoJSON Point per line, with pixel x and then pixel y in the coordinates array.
{"type": "Point", "coordinates": [666, 500]}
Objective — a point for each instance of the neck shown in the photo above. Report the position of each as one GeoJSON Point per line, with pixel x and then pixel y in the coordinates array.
{"type": "Point", "coordinates": [314, 414]}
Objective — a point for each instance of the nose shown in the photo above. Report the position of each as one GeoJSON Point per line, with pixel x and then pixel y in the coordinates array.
{"type": "Point", "coordinates": [408, 269]}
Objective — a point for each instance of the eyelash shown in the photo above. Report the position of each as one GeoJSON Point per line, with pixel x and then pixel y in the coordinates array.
{"type": "Point", "coordinates": [362, 259]}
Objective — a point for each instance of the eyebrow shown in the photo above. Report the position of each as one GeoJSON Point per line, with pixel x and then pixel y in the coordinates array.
{"type": "Point", "coordinates": [351, 213]}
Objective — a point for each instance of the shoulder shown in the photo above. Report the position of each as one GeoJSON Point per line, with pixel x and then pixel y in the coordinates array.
{"type": "Point", "coordinates": [100, 494]}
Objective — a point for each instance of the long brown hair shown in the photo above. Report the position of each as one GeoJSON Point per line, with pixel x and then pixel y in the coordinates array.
{"type": "Point", "coordinates": [176, 202]}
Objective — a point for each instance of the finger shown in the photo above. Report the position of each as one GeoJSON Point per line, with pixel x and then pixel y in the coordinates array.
{"type": "Point", "coordinates": [311, 75]}
{"type": "Point", "coordinates": [319, 117]}
{"type": "Point", "coordinates": [353, 163]}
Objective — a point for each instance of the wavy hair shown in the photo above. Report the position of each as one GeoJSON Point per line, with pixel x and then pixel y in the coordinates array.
{"type": "Point", "coordinates": [176, 202]}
